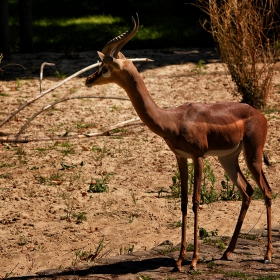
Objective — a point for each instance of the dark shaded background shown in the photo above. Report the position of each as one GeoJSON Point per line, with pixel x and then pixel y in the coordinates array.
{"type": "Point", "coordinates": [176, 23]}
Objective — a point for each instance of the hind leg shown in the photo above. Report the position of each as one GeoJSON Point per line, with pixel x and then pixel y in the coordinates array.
{"type": "Point", "coordinates": [231, 166]}
{"type": "Point", "coordinates": [254, 163]}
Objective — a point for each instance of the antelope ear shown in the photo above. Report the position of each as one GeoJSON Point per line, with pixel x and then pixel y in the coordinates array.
{"type": "Point", "coordinates": [109, 60]}
{"type": "Point", "coordinates": [101, 55]}
{"type": "Point", "coordinates": [120, 55]}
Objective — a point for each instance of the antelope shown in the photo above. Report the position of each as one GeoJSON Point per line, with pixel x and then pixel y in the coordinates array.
{"type": "Point", "coordinates": [195, 130]}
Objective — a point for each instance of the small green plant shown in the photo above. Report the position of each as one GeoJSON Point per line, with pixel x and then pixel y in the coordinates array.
{"type": "Point", "coordinates": [81, 126]}
{"type": "Point", "coordinates": [176, 224]}
{"type": "Point", "coordinates": [18, 84]}
{"type": "Point", "coordinates": [22, 241]}
{"type": "Point", "coordinates": [208, 195]}
{"type": "Point", "coordinates": [203, 233]}
{"type": "Point", "coordinates": [88, 256]}
{"type": "Point", "coordinates": [60, 74]}
{"type": "Point", "coordinates": [143, 277]}
{"type": "Point", "coordinates": [20, 152]}
{"type": "Point", "coordinates": [194, 272]}
{"type": "Point", "coordinates": [68, 210]}
{"type": "Point", "coordinates": [228, 190]}
{"type": "Point", "coordinates": [248, 236]}
{"type": "Point", "coordinates": [100, 152]}
{"type": "Point", "coordinates": [40, 179]}
{"type": "Point", "coordinates": [176, 185]}
{"type": "Point", "coordinates": [42, 151]}
{"type": "Point", "coordinates": [80, 216]}
{"type": "Point", "coordinates": [257, 193]}
{"type": "Point", "coordinates": [200, 66]}
{"type": "Point", "coordinates": [8, 274]}
{"type": "Point", "coordinates": [67, 148]}
{"type": "Point", "coordinates": [190, 248]}
{"type": "Point", "coordinates": [211, 264]}
{"type": "Point", "coordinates": [133, 197]}
{"type": "Point", "coordinates": [100, 185]}
{"type": "Point", "coordinates": [6, 176]}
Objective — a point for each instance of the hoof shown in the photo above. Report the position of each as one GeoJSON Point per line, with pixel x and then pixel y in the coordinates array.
{"type": "Point", "coordinates": [177, 269]}
{"type": "Point", "coordinates": [192, 267]}
{"type": "Point", "coordinates": [267, 261]}
{"type": "Point", "coordinates": [225, 257]}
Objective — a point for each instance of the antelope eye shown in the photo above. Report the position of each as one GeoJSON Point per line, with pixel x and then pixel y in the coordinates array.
{"type": "Point", "coordinates": [104, 70]}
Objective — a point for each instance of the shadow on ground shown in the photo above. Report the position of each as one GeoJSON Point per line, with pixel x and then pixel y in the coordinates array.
{"type": "Point", "coordinates": [246, 263]}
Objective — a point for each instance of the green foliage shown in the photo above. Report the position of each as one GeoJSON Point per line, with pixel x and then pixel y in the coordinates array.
{"type": "Point", "coordinates": [89, 25]}
{"type": "Point", "coordinates": [80, 216]}
{"type": "Point", "coordinates": [208, 194]}
{"type": "Point", "coordinates": [208, 238]}
{"type": "Point", "coordinates": [176, 224]}
{"type": "Point", "coordinates": [200, 66]}
{"type": "Point", "coordinates": [146, 277]}
{"type": "Point", "coordinates": [228, 190]}
{"type": "Point", "coordinates": [100, 185]}
{"type": "Point", "coordinates": [203, 233]}
{"type": "Point", "coordinates": [176, 185]}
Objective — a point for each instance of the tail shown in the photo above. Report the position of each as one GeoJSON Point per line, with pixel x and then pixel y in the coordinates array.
{"type": "Point", "coordinates": [265, 159]}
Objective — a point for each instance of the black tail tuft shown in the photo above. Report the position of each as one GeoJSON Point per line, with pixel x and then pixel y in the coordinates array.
{"type": "Point", "coordinates": [265, 159]}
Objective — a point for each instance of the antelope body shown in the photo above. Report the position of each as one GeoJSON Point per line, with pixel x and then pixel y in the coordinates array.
{"type": "Point", "coordinates": [195, 130]}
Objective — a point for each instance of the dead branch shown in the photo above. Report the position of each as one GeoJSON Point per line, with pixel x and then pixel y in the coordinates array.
{"type": "Point", "coordinates": [30, 101]}
{"type": "Point", "coordinates": [41, 72]}
{"type": "Point", "coordinates": [106, 132]}
{"type": "Point", "coordinates": [60, 101]}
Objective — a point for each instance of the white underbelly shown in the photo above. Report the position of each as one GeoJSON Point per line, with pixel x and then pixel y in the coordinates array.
{"type": "Point", "coordinates": [215, 153]}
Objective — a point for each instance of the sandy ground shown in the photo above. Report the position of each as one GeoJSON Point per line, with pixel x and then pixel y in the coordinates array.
{"type": "Point", "coordinates": [49, 220]}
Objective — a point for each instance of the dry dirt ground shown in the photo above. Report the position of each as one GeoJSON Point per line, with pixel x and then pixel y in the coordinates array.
{"type": "Point", "coordinates": [49, 219]}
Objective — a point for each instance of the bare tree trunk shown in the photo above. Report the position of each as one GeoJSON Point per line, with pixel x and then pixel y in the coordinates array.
{"type": "Point", "coordinates": [4, 28]}
{"type": "Point", "coordinates": [25, 22]}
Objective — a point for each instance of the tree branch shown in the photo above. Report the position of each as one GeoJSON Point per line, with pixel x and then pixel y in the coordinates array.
{"type": "Point", "coordinates": [127, 123]}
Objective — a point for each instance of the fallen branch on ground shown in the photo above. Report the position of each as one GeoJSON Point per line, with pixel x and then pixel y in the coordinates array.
{"type": "Point", "coordinates": [13, 139]}
{"type": "Point", "coordinates": [30, 101]}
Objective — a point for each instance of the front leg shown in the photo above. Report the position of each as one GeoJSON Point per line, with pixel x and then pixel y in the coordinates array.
{"type": "Point", "coordinates": [183, 169]}
{"type": "Point", "coordinates": [198, 169]}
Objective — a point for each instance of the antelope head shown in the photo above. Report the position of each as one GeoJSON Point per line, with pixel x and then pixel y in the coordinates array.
{"type": "Point", "coordinates": [113, 61]}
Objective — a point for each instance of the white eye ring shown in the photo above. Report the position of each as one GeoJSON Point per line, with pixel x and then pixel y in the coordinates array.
{"type": "Point", "coordinates": [106, 72]}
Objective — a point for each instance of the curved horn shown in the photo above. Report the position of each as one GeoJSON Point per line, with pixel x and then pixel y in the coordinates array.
{"type": "Point", "coordinates": [113, 47]}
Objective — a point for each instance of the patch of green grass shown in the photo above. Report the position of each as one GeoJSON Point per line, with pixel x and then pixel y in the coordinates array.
{"type": "Point", "coordinates": [42, 151]}
{"type": "Point", "coordinates": [190, 248]}
{"type": "Point", "coordinates": [143, 277]}
{"type": "Point", "coordinates": [59, 74]}
{"type": "Point", "coordinates": [228, 190]}
{"type": "Point", "coordinates": [200, 66]}
{"type": "Point", "coordinates": [6, 176]}
{"type": "Point", "coordinates": [65, 147]}
{"type": "Point", "coordinates": [176, 224]}
{"type": "Point", "coordinates": [80, 216]}
{"type": "Point", "coordinates": [99, 152]}
{"type": "Point", "coordinates": [100, 185]}
{"type": "Point", "coordinates": [7, 165]}
{"type": "Point", "coordinates": [248, 236]}
{"type": "Point", "coordinates": [81, 125]}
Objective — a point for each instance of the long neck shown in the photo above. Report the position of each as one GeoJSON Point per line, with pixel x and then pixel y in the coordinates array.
{"type": "Point", "coordinates": [148, 111]}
